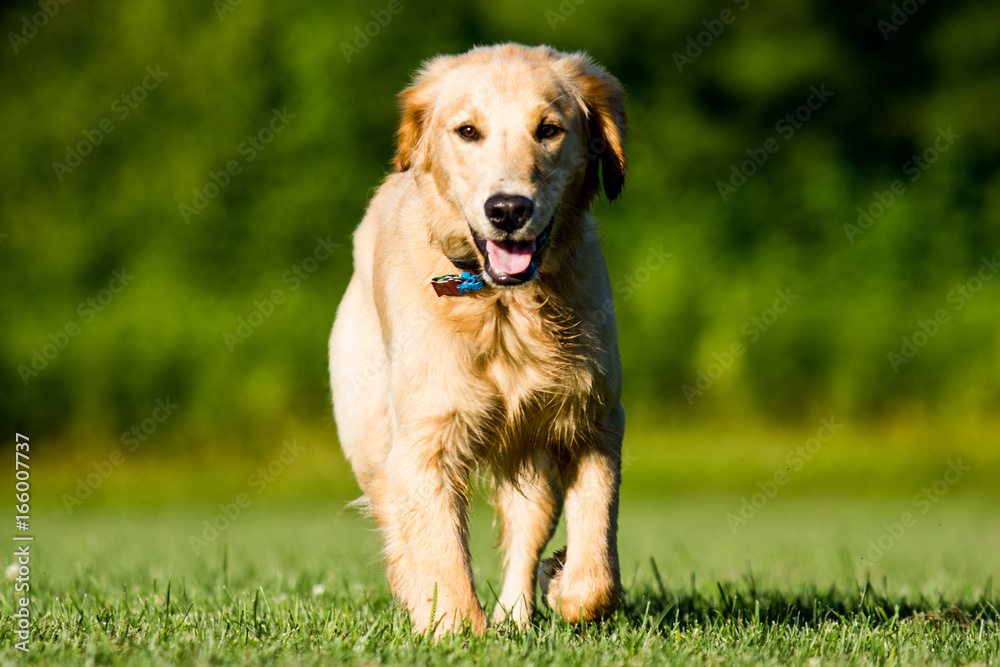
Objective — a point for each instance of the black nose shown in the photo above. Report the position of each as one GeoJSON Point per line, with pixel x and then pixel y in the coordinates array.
{"type": "Point", "coordinates": [509, 212]}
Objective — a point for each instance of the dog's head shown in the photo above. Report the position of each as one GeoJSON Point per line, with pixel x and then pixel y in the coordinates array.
{"type": "Point", "coordinates": [512, 138]}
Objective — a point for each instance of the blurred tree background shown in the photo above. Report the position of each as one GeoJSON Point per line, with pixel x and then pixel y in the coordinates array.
{"type": "Point", "coordinates": [219, 154]}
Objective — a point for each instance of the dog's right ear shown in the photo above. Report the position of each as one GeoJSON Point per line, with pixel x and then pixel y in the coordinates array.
{"type": "Point", "coordinates": [415, 107]}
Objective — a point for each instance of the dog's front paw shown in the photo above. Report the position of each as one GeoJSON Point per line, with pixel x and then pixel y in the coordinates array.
{"type": "Point", "coordinates": [578, 595]}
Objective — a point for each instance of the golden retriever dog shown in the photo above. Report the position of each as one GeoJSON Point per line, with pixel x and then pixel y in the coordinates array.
{"type": "Point", "coordinates": [478, 332]}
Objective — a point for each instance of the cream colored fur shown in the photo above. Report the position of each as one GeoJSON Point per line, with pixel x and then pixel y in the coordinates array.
{"type": "Point", "coordinates": [523, 381]}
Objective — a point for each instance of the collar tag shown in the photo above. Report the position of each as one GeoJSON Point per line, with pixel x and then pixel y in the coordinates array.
{"type": "Point", "coordinates": [454, 285]}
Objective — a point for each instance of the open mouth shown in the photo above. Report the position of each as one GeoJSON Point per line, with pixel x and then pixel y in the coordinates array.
{"type": "Point", "coordinates": [512, 262]}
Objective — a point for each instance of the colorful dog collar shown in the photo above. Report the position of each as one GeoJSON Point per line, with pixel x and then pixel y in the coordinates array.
{"type": "Point", "coordinates": [455, 285]}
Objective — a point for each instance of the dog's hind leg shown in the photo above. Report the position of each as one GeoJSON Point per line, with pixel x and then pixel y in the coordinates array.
{"type": "Point", "coordinates": [529, 511]}
{"type": "Point", "coordinates": [359, 382]}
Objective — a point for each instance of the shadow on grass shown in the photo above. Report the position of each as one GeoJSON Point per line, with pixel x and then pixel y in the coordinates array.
{"type": "Point", "coordinates": [811, 606]}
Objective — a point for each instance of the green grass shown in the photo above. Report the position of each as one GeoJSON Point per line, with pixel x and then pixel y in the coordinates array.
{"type": "Point", "coordinates": [301, 584]}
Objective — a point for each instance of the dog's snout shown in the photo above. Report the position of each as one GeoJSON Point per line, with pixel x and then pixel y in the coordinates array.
{"type": "Point", "coordinates": [509, 212]}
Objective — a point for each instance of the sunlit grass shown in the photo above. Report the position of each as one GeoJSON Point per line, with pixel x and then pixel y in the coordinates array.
{"type": "Point", "coordinates": [301, 583]}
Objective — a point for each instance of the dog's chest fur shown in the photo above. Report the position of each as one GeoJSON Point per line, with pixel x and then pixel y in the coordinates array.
{"type": "Point", "coordinates": [537, 386]}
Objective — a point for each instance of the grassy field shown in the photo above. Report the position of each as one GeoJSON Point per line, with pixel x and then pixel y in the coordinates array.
{"type": "Point", "coordinates": [290, 583]}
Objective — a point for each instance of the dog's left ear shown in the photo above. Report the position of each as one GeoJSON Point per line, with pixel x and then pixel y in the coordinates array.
{"type": "Point", "coordinates": [603, 100]}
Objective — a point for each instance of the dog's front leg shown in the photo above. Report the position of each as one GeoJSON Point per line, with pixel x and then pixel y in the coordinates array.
{"type": "Point", "coordinates": [529, 510]}
{"type": "Point", "coordinates": [421, 507]}
{"type": "Point", "coordinates": [583, 583]}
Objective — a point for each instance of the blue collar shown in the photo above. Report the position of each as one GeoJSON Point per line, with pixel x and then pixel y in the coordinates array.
{"type": "Point", "coordinates": [454, 285]}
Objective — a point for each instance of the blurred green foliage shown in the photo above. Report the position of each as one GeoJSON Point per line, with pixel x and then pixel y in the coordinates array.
{"type": "Point", "coordinates": [230, 65]}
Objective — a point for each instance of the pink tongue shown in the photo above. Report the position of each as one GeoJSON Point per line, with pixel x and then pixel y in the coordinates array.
{"type": "Point", "coordinates": [510, 257]}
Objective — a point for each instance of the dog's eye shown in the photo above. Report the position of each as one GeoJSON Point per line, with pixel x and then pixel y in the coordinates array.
{"type": "Point", "coordinates": [468, 132]}
{"type": "Point", "coordinates": [548, 131]}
